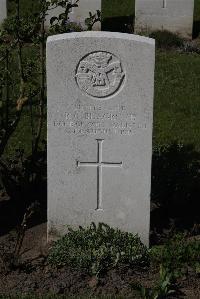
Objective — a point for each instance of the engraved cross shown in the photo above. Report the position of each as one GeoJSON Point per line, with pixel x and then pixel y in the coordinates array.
{"type": "Point", "coordinates": [100, 165]}
{"type": "Point", "coordinates": [164, 3]}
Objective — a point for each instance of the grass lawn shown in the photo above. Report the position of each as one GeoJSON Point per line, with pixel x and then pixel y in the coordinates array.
{"type": "Point", "coordinates": [116, 8]}
{"type": "Point", "coordinates": [177, 92]}
{"type": "Point", "coordinates": [25, 6]}
{"type": "Point", "coordinates": [197, 10]}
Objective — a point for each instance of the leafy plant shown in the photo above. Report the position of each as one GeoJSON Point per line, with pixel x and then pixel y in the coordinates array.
{"type": "Point", "coordinates": [93, 19]}
{"type": "Point", "coordinates": [97, 249]}
{"type": "Point", "coordinates": [164, 288]}
{"type": "Point", "coordinates": [61, 23]}
{"type": "Point", "coordinates": [26, 78]}
{"type": "Point", "coordinates": [166, 284]}
{"type": "Point", "coordinates": [177, 254]}
{"type": "Point", "coordinates": [23, 77]}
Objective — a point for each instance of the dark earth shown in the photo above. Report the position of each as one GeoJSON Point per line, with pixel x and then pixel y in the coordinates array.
{"type": "Point", "coordinates": [34, 275]}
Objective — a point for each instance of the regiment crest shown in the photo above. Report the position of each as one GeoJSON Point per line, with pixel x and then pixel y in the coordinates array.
{"type": "Point", "coordinates": [100, 74]}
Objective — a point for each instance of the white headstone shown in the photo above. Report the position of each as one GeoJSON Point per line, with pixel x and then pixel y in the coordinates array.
{"type": "Point", "coordinates": [100, 106]}
{"type": "Point", "coordinates": [3, 10]}
{"type": "Point", "coordinates": [80, 13]}
{"type": "Point", "coordinates": [172, 15]}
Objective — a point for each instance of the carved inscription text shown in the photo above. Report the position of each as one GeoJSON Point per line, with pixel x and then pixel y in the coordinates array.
{"type": "Point", "coordinates": [82, 119]}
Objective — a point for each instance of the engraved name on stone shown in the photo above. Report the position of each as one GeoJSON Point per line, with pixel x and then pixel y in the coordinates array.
{"type": "Point", "coordinates": [82, 119]}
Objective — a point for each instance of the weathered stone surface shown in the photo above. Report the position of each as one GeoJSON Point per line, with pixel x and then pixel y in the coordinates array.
{"type": "Point", "coordinates": [100, 106]}
{"type": "Point", "coordinates": [80, 13]}
{"type": "Point", "coordinates": [173, 15]}
{"type": "Point", "coordinates": [3, 10]}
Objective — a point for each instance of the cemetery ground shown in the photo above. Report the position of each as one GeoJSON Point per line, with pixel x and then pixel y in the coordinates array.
{"type": "Point", "coordinates": [171, 268]}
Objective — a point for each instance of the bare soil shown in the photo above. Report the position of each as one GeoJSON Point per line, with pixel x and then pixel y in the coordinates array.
{"type": "Point", "coordinates": [34, 275]}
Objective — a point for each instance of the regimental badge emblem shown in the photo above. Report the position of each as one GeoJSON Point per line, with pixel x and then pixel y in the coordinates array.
{"type": "Point", "coordinates": [100, 74]}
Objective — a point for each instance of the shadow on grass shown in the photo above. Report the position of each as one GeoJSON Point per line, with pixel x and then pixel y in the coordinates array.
{"type": "Point", "coordinates": [118, 24]}
{"type": "Point", "coordinates": [175, 193]}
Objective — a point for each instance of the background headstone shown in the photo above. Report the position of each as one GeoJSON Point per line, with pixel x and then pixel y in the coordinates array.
{"type": "Point", "coordinates": [3, 10]}
{"type": "Point", "coordinates": [100, 106]}
{"type": "Point", "coordinates": [80, 13]}
{"type": "Point", "coordinates": [52, 13]}
{"type": "Point", "coordinates": [172, 15]}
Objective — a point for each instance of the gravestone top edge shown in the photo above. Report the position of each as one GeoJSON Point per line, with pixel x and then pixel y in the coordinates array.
{"type": "Point", "coordinates": [101, 34]}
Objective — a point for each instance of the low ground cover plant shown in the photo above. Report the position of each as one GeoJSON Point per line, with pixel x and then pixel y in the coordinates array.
{"type": "Point", "coordinates": [97, 249]}
{"type": "Point", "coordinates": [174, 258]}
{"type": "Point", "coordinates": [177, 254]}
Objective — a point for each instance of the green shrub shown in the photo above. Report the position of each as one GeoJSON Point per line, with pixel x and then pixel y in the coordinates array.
{"type": "Point", "coordinates": [177, 253]}
{"type": "Point", "coordinates": [97, 249]}
{"type": "Point", "coordinates": [165, 39]}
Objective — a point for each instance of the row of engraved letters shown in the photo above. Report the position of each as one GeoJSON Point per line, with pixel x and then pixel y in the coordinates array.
{"type": "Point", "coordinates": [79, 124]}
{"type": "Point", "coordinates": [101, 131]}
{"type": "Point", "coordinates": [117, 108]}
{"type": "Point", "coordinates": [91, 116]}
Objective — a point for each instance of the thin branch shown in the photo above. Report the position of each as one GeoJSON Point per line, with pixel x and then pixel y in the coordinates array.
{"type": "Point", "coordinates": [42, 93]}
